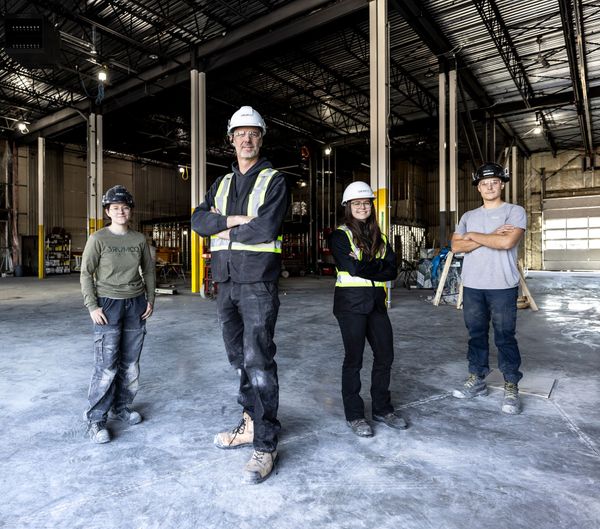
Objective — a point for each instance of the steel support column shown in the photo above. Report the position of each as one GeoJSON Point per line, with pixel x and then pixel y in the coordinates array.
{"type": "Point", "coordinates": [379, 61]}
{"type": "Point", "coordinates": [453, 133]}
{"type": "Point", "coordinates": [198, 155]}
{"type": "Point", "coordinates": [99, 173]}
{"type": "Point", "coordinates": [514, 176]}
{"type": "Point", "coordinates": [507, 166]}
{"type": "Point", "coordinates": [442, 155]}
{"type": "Point", "coordinates": [41, 166]}
{"type": "Point", "coordinates": [91, 168]}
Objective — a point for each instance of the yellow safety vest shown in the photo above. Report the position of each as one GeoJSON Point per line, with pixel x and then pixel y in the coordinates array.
{"type": "Point", "coordinates": [255, 200]}
{"type": "Point", "coordinates": [344, 279]}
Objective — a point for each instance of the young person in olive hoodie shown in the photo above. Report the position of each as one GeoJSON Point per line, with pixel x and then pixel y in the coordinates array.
{"type": "Point", "coordinates": [117, 282]}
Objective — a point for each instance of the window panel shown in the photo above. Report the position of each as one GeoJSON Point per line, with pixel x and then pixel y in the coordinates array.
{"type": "Point", "coordinates": [556, 245]}
{"type": "Point", "coordinates": [594, 222]}
{"type": "Point", "coordinates": [581, 222]}
{"type": "Point", "coordinates": [577, 245]}
{"type": "Point", "coordinates": [556, 234]}
{"type": "Point", "coordinates": [577, 234]}
{"type": "Point", "coordinates": [550, 224]}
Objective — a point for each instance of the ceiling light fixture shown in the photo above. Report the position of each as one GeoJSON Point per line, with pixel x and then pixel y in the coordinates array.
{"type": "Point", "coordinates": [327, 151]}
{"type": "Point", "coordinates": [22, 127]}
{"type": "Point", "coordinates": [102, 75]}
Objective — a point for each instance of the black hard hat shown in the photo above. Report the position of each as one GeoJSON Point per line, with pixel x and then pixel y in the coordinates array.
{"type": "Point", "coordinates": [117, 194]}
{"type": "Point", "coordinates": [490, 170]}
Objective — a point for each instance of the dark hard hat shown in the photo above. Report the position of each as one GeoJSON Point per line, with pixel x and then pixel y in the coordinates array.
{"type": "Point", "coordinates": [490, 170]}
{"type": "Point", "coordinates": [117, 194]}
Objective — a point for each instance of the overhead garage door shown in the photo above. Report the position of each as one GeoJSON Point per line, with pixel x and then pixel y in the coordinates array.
{"type": "Point", "coordinates": [571, 233]}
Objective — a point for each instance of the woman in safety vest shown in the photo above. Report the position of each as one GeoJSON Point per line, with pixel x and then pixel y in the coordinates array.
{"type": "Point", "coordinates": [364, 261]}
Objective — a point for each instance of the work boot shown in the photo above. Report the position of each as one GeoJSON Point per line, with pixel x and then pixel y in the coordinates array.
{"type": "Point", "coordinates": [392, 419]}
{"type": "Point", "coordinates": [259, 467]}
{"type": "Point", "coordinates": [473, 387]}
{"type": "Point", "coordinates": [360, 427]}
{"type": "Point", "coordinates": [511, 403]}
{"type": "Point", "coordinates": [126, 415]}
{"type": "Point", "coordinates": [241, 435]}
{"type": "Point", "coordinates": [98, 432]}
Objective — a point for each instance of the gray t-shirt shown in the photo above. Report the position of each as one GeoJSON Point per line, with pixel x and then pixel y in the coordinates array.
{"type": "Point", "coordinates": [487, 268]}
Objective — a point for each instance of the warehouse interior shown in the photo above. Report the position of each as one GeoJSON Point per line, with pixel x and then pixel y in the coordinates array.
{"type": "Point", "coordinates": [411, 96]}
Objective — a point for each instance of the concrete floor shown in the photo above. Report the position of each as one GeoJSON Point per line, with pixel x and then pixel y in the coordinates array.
{"type": "Point", "coordinates": [460, 464]}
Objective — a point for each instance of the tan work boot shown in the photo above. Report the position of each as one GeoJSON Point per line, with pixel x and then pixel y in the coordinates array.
{"type": "Point", "coordinates": [241, 435]}
{"type": "Point", "coordinates": [259, 467]}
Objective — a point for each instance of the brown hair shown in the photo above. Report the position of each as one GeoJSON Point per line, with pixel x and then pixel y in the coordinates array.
{"type": "Point", "coordinates": [365, 234]}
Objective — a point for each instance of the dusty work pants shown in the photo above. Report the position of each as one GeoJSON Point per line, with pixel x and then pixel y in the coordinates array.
{"type": "Point", "coordinates": [117, 349]}
{"type": "Point", "coordinates": [499, 306]}
{"type": "Point", "coordinates": [377, 329]}
{"type": "Point", "coordinates": [247, 314]}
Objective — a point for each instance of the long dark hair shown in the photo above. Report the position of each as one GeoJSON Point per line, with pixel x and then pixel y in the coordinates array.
{"type": "Point", "coordinates": [366, 234]}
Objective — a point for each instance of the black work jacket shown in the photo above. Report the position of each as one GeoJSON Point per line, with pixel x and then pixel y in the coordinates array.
{"type": "Point", "coordinates": [360, 300]}
{"type": "Point", "coordinates": [243, 266]}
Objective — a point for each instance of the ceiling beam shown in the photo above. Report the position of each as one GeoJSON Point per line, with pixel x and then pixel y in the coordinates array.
{"type": "Point", "coordinates": [432, 35]}
{"type": "Point", "coordinates": [576, 54]}
{"type": "Point", "coordinates": [492, 18]}
{"type": "Point", "coordinates": [254, 36]}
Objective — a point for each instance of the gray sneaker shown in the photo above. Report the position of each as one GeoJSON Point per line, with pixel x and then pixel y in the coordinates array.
{"type": "Point", "coordinates": [473, 387]}
{"type": "Point", "coordinates": [98, 432]}
{"type": "Point", "coordinates": [126, 415]}
{"type": "Point", "coordinates": [511, 403]}
{"type": "Point", "coordinates": [392, 419]}
{"type": "Point", "coordinates": [360, 427]}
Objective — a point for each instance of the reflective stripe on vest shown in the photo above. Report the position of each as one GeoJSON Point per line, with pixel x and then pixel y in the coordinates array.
{"type": "Point", "coordinates": [344, 279]}
{"type": "Point", "coordinates": [255, 200]}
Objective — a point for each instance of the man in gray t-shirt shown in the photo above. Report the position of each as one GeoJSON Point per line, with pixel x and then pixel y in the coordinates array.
{"type": "Point", "coordinates": [489, 237]}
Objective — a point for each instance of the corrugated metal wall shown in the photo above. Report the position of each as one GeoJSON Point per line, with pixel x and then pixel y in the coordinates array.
{"type": "Point", "coordinates": [160, 192]}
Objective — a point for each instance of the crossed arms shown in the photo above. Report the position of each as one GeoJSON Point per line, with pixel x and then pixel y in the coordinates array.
{"type": "Point", "coordinates": [505, 237]}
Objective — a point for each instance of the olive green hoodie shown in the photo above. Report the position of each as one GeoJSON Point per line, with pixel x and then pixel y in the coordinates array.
{"type": "Point", "coordinates": [116, 266]}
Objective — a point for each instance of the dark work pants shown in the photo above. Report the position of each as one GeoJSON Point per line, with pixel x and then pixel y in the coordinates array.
{"type": "Point", "coordinates": [499, 306]}
{"type": "Point", "coordinates": [377, 329]}
{"type": "Point", "coordinates": [117, 349]}
{"type": "Point", "coordinates": [247, 314]}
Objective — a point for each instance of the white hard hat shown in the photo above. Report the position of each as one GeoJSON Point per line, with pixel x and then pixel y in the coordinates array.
{"type": "Point", "coordinates": [246, 117]}
{"type": "Point", "coordinates": [357, 190]}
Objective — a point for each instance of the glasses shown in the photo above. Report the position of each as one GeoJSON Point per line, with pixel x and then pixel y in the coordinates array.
{"type": "Point", "coordinates": [361, 204]}
{"type": "Point", "coordinates": [116, 209]}
{"type": "Point", "coordinates": [490, 183]}
{"type": "Point", "coordinates": [252, 134]}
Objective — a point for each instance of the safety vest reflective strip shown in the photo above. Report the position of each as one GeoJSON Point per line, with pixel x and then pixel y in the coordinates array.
{"type": "Point", "coordinates": [255, 200]}
{"type": "Point", "coordinates": [344, 279]}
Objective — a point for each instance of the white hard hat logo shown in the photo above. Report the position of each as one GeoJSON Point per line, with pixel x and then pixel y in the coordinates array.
{"type": "Point", "coordinates": [357, 190]}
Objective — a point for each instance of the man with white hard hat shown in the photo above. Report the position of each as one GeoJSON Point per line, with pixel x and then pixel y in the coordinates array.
{"type": "Point", "coordinates": [243, 214]}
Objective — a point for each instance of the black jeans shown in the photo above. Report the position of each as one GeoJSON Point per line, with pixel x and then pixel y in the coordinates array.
{"type": "Point", "coordinates": [247, 314]}
{"type": "Point", "coordinates": [377, 329]}
{"type": "Point", "coordinates": [117, 349]}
